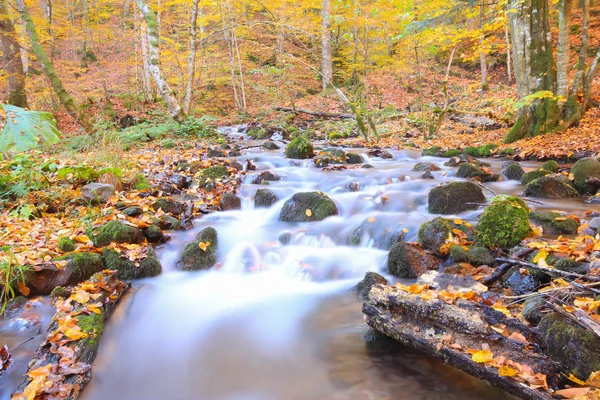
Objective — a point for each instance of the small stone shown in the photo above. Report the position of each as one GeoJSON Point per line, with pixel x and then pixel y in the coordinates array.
{"type": "Point", "coordinates": [264, 198]}
{"type": "Point", "coordinates": [230, 201]}
{"type": "Point", "coordinates": [364, 287]}
{"type": "Point", "coordinates": [98, 192]}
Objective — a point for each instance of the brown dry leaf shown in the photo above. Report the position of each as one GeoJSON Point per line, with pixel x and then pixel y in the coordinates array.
{"type": "Point", "coordinates": [573, 393]}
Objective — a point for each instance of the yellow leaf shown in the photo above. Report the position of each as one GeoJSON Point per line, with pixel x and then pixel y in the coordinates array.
{"type": "Point", "coordinates": [574, 379]}
{"type": "Point", "coordinates": [370, 220]}
{"type": "Point", "coordinates": [75, 334]}
{"type": "Point", "coordinates": [458, 221]}
{"type": "Point", "coordinates": [573, 393]}
{"type": "Point", "coordinates": [505, 370]}
{"type": "Point", "coordinates": [594, 379]}
{"type": "Point", "coordinates": [541, 255]}
{"type": "Point", "coordinates": [502, 309]}
{"type": "Point", "coordinates": [405, 230]}
{"type": "Point", "coordinates": [482, 356]}
{"type": "Point", "coordinates": [202, 246]}
{"type": "Point", "coordinates": [308, 213]}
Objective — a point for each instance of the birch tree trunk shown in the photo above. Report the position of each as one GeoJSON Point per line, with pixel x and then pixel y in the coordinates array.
{"type": "Point", "coordinates": [327, 61]}
{"type": "Point", "coordinates": [564, 49]}
{"type": "Point", "coordinates": [482, 60]}
{"type": "Point", "coordinates": [192, 58]}
{"type": "Point", "coordinates": [146, 76]}
{"type": "Point", "coordinates": [165, 91]}
{"type": "Point", "coordinates": [10, 61]}
{"type": "Point", "coordinates": [508, 51]}
{"type": "Point", "coordinates": [533, 64]}
{"type": "Point", "coordinates": [64, 97]}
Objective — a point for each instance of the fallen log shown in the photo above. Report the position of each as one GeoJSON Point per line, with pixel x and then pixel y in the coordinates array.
{"type": "Point", "coordinates": [454, 333]}
{"type": "Point", "coordinates": [320, 114]}
{"type": "Point", "coordinates": [61, 366]}
{"type": "Point", "coordinates": [550, 271]}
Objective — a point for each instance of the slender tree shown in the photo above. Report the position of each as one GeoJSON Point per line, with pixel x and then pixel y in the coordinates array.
{"type": "Point", "coordinates": [36, 47]}
{"type": "Point", "coordinates": [154, 66]}
{"type": "Point", "coordinates": [327, 61]}
{"type": "Point", "coordinates": [10, 60]}
{"type": "Point", "coordinates": [192, 57]}
{"type": "Point", "coordinates": [564, 49]}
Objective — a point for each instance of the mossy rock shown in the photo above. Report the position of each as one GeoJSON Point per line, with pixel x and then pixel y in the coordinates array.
{"type": "Point", "coordinates": [567, 264]}
{"type": "Point", "coordinates": [451, 153]}
{"type": "Point", "coordinates": [353, 158]}
{"type": "Point", "coordinates": [471, 170]}
{"type": "Point", "coordinates": [82, 266]}
{"type": "Point", "coordinates": [211, 174]}
{"type": "Point", "coordinates": [507, 152]}
{"type": "Point", "coordinates": [128, 270]}
{"type": "Point", "coordinates": [574, 347]}
{"type": "Point", "coordinates": [533, 309]}
{"type": "Point", "coordinates": [382, 239]}
{"type": "Point", "coordinates": [194, 258]}
{"type": "Point", "coordinates": [264, 198]}
{"type": "Point", "coordinates": [481, 151]}
{"type": "Point", "coordinates": [66, 245]}
{"type": "Point", "coordinates": [514, 172]}
{"type": "Point", "coordinates": [425, 166]}
{"type": "Point", "coordinates": [116, 232]}
{"type": "Point", "coordinates": [432, 151]}
{"type": "Point", "coordinates": [550, 165]}
{"type": "Point", "coordinates": [154, 234]}
{"type": "Point", "coordinates": [371, 279]}
{"type": "Point", "coordinates": [230, 201]}
{"type": "Point", "coordinates": [583, 170]}
{"type": "Point", "coordinates": [533, 175]}
{"type": "Point", "coordinates": [169, 206]}
{"type": "Point", "coordinates": [434, 234]}
{"type": "Point", "coordinates": [553, 186]}
{"type": "Point", "coordinates": [300, 149]}
{"type": "Point", "coordinates": [553, 222]}
{"type": "Point", "coordinates": [473, 255]}
{"type": "Point", "coordinates": [270, 145]}
{"type": "Point", "coordinates": [455, 197]}
{"type": "Point", "coordinates": [335, 136]}
{"type": "Point", "coordinates": [140, 183]}
{"type": "Point", "coordinates": [308, 207]}
{"type": "Point", "coordinates": [409, 260]}
{"type": "Point", "coordinates": [60, 292]}
{"type": "Point", "coordinates": [504, 223]}
{"type": "Point", "coordinates": [133, 211]}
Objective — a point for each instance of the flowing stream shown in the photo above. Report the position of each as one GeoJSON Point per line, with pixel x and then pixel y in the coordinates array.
{"type": "Point", "coordinates": [280, 322]}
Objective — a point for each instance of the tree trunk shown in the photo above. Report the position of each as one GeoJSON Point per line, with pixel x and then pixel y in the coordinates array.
{"type": "Point", "coordinates": [11, 61]}
{"type": "Point", "coordinates": [327, 61]}
{"type": "Point", "coordinates": [564, 49]}
{"type": "Point", "coordinates": [482, 60]}
{"type": "Point", "coordinates": [192, 58]}
{"type": "Point", "coordinates": [36, 47]}
{"type": "Point", "coordinates": [146, 76]}
{"type": "Point", "coordinates": [165, 91]}
{"type": "Point", "coordinates": [533, 64]}
{"type": "Point", "coordinates": [508, 60]}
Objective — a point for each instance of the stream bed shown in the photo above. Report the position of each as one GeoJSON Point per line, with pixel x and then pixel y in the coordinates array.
{"type": "Point", "coordinates": [278, 321]}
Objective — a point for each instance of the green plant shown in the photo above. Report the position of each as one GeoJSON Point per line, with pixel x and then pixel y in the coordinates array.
{"type": "Point", "coordinates": [84, 173]}
{"type": "Point", "coordinates": [23, 130]}
{"type": "Point", "coordinates": [11, 274]}
{"type": "Point", "coordinates": [21, 176]}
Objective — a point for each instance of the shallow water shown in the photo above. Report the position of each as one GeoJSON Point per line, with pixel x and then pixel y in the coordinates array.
{"type": "Point", "coordinates": [279, 322]}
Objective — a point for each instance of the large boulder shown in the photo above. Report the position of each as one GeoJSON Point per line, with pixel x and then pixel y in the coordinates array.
{"type": "Point", "coordinates": [201, 253]}
{"type": "Point", "coordinates": [425, 166]}
{"type": "Point", "coordinates": [574, 347]}
{"type": "Point", "coordinates": [353, 158]}
{"type": "Point", "coordinates": [68, 270]}
{"type": "Point", "coordinates": [455, 197]}
{"type": "Point", "coordinates": [409, 260]}
{"type": "Point", "coordinates": [147, 267]}
{"type": "Point", "coordinates": [98, 192]}
{"type": "Point", "coordinates": [553, 186]}
{"type": "Point", "coordinates": [300, 149]}
{"type": "Point", "coordinates": [308, 207]}
{"type": "Point", "coordinates": [504, 223]}
{"type": "Point", "coordinates": [435, 233]}
{"type": "Point", "coordinates": [265, 176]}
{"type": "Point", "coordinates": [583, 171]}
{"type": "Point", "coordinates": [116, 232]}
{"type": "Point", "coordinates": [533, 175]}
{"type": "Point", "coordinates": [264, 198]}
{"type": "Point", "coordinates": [514, 172]}
{"type": "Point", "coordinates": [473, 255]}
{"type": "Point", "coordinates": [550, 165]}
{"type": "Point", "coordinates": [371, 279]}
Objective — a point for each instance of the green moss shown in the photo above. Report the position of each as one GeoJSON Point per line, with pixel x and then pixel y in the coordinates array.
{"type": "Point", "coordinates": [140, 183]}
{"type": "Point", "coordinates": [117, 232]}
{"type": "Point", "coordinates": [567, 264]}
{"type": "Point", "coordinates": [66, 245]}
{"type": "Point", "coordinates": [83, 265]}
{"type": "Point", "coordinates": [451, 153]}
{"type": "Point", "coordinates": [582, 171]}
{"type": "Point", "coordinates": [533, 175]}
{"type": "Point", "coordinates": [473, 255]}
{"type": "Point", "coordinates": [213, 173]}
{"type": "Point", "coordinates": [507, 152]}
{"type": "Point", "coordinates": [514, 172]}
{"type": "Point", "coordinates": [434, 234]}
{"type": "Point", "coordinates": [455, 197]}
{"type": "Point", "coordinates": [432, 151]}
{"type": "Point", "coordinates": [504, 223]}
{"type": "Point", "coordinates": [93, 325]}
{"type": "Point", "coordinates": [194, 258]}
{"type": "Point", "coordinates": [481, 151]}
{"type": "Point", "coordinates": [128, 270]}
{"type": "Point", "coordinates": [300, 148]}
{"type": "Point", "coordinates": [550, 166]}
{"type": "Point", "coordinates": [335, 135]}
{"type": "Point", "coordinates": [577, 349]}
{"type": "Point", "coordinates": [168, 143]}
{"type": "Point", "coordinates": [60, 291]}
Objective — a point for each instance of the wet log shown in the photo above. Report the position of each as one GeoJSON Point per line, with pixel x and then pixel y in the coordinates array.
{"type": "Point", "coordinates": [550, 271]}
{"type": "Point", "coordinates": [61, 366]}
{"type": "Point", "coordinates": [449, 332]}
{"type": "Point", "coordinates": [320, 114]}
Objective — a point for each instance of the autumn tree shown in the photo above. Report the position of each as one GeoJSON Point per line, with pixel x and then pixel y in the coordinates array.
{"type": "Point", "coordinates": [327, 60]}
{"type": "Point", "coordinates": [11, 60]}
